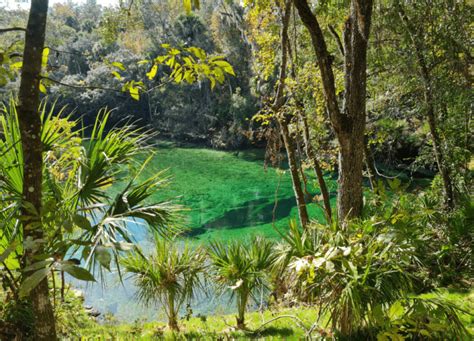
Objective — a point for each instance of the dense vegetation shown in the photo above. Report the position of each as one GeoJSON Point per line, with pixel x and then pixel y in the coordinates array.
{"type": "Point", "coordinates": [375, 93]}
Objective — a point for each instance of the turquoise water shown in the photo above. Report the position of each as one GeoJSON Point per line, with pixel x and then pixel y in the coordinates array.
{"type": "Point", "coordinates": [227, 195]}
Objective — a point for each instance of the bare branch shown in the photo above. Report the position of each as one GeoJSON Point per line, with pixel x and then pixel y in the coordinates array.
{"type": "Point", "coordinates": [85, 87]}
{"type": "Point", "coordinates": [66, 52]}
{"type": "Point", "coordinates": [338, 40]}
{"type": "Point", "coordinates": [12, 29]}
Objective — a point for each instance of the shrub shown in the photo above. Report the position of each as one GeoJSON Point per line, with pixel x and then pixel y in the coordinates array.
{"type": "Point", "coordinates": [169, 276]}
{"type": "Point", "coordinates": [241, 267]}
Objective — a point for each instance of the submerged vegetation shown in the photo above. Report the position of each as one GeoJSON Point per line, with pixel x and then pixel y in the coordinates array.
{"type": "Point", "coordinates": [377, 94]}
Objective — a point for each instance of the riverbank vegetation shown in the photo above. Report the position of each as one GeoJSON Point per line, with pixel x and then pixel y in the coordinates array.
{"type": "Point", "coordinates": [351, 89]}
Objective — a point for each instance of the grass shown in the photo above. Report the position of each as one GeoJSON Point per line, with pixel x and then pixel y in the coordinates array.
{"type": "Point", "coordinates": [220, 327]}
{"type": "Point", "coordinates": [211, 327]}
{"type": "Point", "coordinates": [463, 298]}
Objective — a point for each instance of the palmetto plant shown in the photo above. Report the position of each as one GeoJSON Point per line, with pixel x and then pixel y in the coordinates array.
{"type": "Point", "coordinates": [350, 274]}
{"type": "Point", "coordinates": [92, 188]}
{"type": "Point", "coordinates": [170, 276]}
{"type": "Point", "coordinates": [242, 268]}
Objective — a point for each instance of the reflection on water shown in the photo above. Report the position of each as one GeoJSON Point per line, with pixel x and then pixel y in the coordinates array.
{"type": "Point", "coordinates": [251, 213]}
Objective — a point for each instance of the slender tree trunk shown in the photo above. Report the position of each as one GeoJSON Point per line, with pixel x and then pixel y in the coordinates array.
{"type": "Point", "coordinates": [438, 153]}
{"type": "Point", "coordinates": [63, 286]}
{"type": "Point", "coordinates": [283, 121]}
{"type": "Point", "coordinates": [30, 125]}
{"type": "Point", "coordinates": [348, 124]}
{"type": "Point", "coordinates": [294, 171]}
{"type": "Point", "coordinates": [241, 305]}
{"type": "Point", "coordinates": [418, 45]}
{"type": "Point", "coordinates": [317, 169]}
{"type": "Point", "coordinates": [172, 318]}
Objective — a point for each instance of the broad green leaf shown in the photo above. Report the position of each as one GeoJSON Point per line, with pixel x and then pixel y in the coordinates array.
{"type": "Point", "coordinates": [67, 224]}
{"type": "Point", "coordinates": [42, 88]}
{"type": "Point", "coordinates": [32, 281]}
{"type": "Point", "coordinates": [219, 75]}
{"type": "Point", "coordinates": [44, 59]}
{"type": "Point", "coordinates": [213, 82]}
{"type": "Point", "coordinates": [82, 222]}
{"type": "Point", "coordinates": [134, 92]}
{"type": "Point", "coordinates": [396, 310]}
{"type": "Point", "coordinates": [119, 65]}
{"type": "Point", "coordinates": [199, 53]}
{"type": "Point", "coordinates": [174, 52]}
{"type": "Point", "coordinates": [189, 76]}
{"type": "Point", "coordinates": [187, 6]}
{"type": "Point", "coordinates": [117, 75]}
{"type": "Point", "coordinates": [7, 251]}
{"type": "Point", "coordinates": [225, 66]}
{"type": "Point", "coordinates": [78, 272]}
{"type": "Point", "coordinates": [152, 73]}
{"type": "Point", "coordinates": [161, 59]}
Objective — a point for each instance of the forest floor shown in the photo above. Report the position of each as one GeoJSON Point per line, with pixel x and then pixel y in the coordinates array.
{"type": "Point", "coordinates": [287, 324]}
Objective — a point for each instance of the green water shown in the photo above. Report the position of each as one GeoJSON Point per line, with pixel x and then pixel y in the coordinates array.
{"type": "Point", "coordinates": [227, 195]}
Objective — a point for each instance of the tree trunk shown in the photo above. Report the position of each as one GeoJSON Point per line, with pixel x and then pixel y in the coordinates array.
{"type": "Point", "coordinates": [295, 177]}
{"type": "Point", "coordinates": [172, 315]}
{"type": "Point", "coordinates": [351, 156]}
{"type": "Point", "coordinates": [317, 169]}
{"type": "Point", "coordinates": [241, 306]}
{"type": "Point", "coordinates": [418, 45]}
{"type": "Point", "coordinates": [283, 121]}
{"type": "Point", "coordinates": [349, 125]}
{"type": "Point", "coordinates": [30, 126]}
{"type": "Point", "coordinates": [438, 152]}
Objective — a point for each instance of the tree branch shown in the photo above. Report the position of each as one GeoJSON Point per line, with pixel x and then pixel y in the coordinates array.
{"type": "Point", "coordinates": [85, 87]}
{"type": "Point", "coordinates": [338, 40]}
{"type": "Point", "coordinates": [324, 60]}
{"type": "Point", "coordinates": [12, 29]}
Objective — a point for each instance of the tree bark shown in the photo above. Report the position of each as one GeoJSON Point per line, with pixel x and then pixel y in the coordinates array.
{"type": "Point", "coordinates": [418, 45]}
{"type": "Point", "coordinates": [283, 121]}
{"type": "Point", "coordinates": [30, 126]}
{"type": "Point", "coordinates": [348, 124]}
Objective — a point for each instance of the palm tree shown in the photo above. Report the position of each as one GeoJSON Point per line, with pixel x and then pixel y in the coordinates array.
{"type": "Point", "coordinates": [242, 268]}
{"type": "Point", "coordinates": [169, 276]}
{"type": "Point", "coordinates": [92, 188]}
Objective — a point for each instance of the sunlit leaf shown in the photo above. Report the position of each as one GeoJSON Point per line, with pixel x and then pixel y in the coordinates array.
{"type": "Point", "coordinates": [117, 75]}
{"type": "Point", "coordinates": [152, 73]}
{"type": "Point", "coordinates": [118, 65]}
{"type": "Point", "coordinates": [45, 56]}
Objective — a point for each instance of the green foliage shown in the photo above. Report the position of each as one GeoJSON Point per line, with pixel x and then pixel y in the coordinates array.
{"type": "Point", "coordinates": [78, 212]}
{"type": "Point", "coordinates": [418, 318]}
{"type": "Point", "coordinates": [170, 276]}
{"type": "Point", "coordinates": [441, 241]}
{"type": "Point", "coordinates": [348, 273]}
{"type": "Point", "coordinates": [242, 268]}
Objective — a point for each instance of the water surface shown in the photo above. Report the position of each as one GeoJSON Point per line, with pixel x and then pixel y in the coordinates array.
{"type": "Point", "coordinates": [228, 195]}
